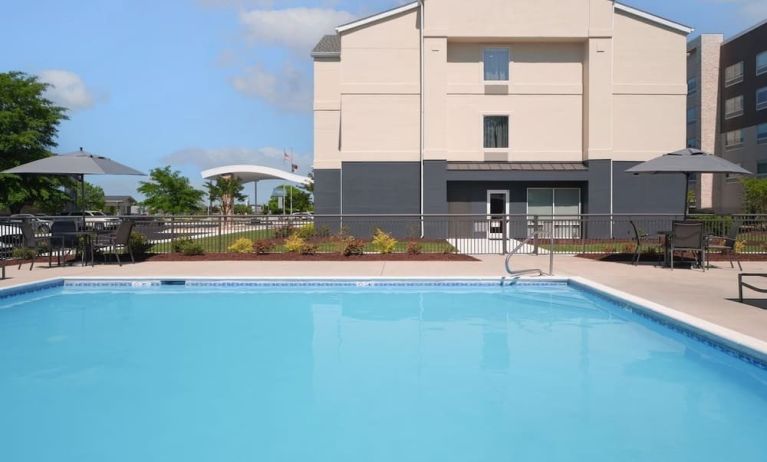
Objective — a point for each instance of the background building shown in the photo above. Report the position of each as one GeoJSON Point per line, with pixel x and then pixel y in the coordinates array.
{"type": "Point", "coordinates": [742, 111]}
{"type": "Point", "coordinates": [538, 108]}
{"type": "Point", "coordinates": [703, 108]}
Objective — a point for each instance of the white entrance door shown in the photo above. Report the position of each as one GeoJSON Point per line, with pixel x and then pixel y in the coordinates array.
{"type": "Point", "coordinates": [497, 209]}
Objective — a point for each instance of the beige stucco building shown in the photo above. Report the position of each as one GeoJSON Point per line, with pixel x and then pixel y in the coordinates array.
{"type": "Point", "coordinates": [439, 107]}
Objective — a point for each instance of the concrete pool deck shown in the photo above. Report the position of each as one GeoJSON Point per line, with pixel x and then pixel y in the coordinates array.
{"type": "Point", "coordinates": [711, 296]}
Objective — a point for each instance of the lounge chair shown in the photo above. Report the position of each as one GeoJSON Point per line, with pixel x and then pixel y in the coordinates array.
{"type": "Point", "coordinates": [726, 244]}
{"type": "Point", "coordinates": [687, 236]}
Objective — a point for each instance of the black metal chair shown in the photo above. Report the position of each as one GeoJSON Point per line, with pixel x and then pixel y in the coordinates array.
{"type": "Point", "coordinates": [63, 238]}
{"type": "Point", "coordinates": [30, 241]}
{"type": "Point", "coordinates": [120, 240]}
{"type": "Point", "coordinates": [639, 237]}
{"type": "Point", "coordinates": [726, 244]}
{"type": "Point", "coordinates": [688, 236]}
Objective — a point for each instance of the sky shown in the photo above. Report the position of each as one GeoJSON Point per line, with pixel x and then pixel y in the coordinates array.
{"type": "Point", "coordinates": [203, 83]}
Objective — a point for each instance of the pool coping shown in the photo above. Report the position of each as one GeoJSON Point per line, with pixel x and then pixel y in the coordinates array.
{"type": "Point", "coordinates": [746, 347]}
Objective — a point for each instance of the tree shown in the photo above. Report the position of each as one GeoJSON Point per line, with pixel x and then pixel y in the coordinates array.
{"type": "Point", "coordinates": [755, 195]}
{"type": "Point", "coordinates": [226, 190]}
{"type": "Point", "coordinates": [170, 192]}
{"type": "Point", "coordinates": [301, 201]}
{"type": "Point", "coordinates": [94, 198]}
{"type": "Point", "coordinates": [28, 127]}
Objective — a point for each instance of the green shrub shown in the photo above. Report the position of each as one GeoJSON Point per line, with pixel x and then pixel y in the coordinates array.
{"type": "Point", "coordinates": [308, 249]}
{"type": "Point", "coordinates": [414, 248]}
{"type": "Point", "coordinates": [740, 246]}
{"type": "Point", "coordinates": [242, 245]}
{"type": "Point", "coordinates": [193, 249]}
{"type": "Point", "coordinates": [24, 253]}
{"type": "Point", "coordinates": [179, 244]}
{"type": "Point", "coordinates": [306, 231]}
{"type": "Point", "coordinates": [294, 243]}
{"type": "Point", "coordinates": [322, 231]}
{"type": "Point", "coordinates": [139, 244]}
{"type": "Point", "coordinates": [262, 247]}
{"type": "Point", "coordinates": [188, 247]}
{"type": "Point", "coordinates": [383, 242]}
{"type": "Point", "coordinates": [353, 247]}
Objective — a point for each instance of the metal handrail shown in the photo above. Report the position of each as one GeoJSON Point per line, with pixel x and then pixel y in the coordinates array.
{"type": "Point", "coordinates": [532, 237]}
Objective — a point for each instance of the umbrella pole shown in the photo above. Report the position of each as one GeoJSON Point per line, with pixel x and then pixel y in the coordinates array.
{"type": "Point", "coordinates": [82, 198]}
{"type": "Point", "coordinates": [686, 193]}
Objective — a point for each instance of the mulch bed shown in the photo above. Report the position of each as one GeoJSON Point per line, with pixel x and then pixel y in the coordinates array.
{"type": "Point", "coordinates": [624, 257]}
{"type": "Point", "coordinates": [318, 257]}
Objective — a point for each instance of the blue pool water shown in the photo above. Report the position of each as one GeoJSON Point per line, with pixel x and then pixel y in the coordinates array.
{"type": "Point", "coordinates": [523, 373]}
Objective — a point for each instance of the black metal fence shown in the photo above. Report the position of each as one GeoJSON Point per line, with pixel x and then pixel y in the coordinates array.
{"type": "Point", "coordinates": [463, 234]}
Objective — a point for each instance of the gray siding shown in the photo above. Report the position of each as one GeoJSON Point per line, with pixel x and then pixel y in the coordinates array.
{"type": "Point", "coordinates": [646, 193]}
{"type": "Point", "coordinates": [381, 188]}
{"type": "Point", "coordinates": [327, 191]}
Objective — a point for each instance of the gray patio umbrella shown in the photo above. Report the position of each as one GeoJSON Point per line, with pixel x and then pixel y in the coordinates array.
{"type": "Point", "coordinates": [688, 162]}
{"type": "Point", "coordinates": [77, 164]}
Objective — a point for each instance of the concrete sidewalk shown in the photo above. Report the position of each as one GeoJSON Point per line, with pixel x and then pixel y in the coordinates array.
{"type": "Point", "coordinates": [709, 296]}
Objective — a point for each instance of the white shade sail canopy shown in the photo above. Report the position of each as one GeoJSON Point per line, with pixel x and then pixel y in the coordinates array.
{"type": "Point", "coordinates": [249, 173]}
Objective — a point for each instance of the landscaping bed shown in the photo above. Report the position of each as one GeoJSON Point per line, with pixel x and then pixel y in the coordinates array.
{"type": "Point", "coordinates": [316, 257]}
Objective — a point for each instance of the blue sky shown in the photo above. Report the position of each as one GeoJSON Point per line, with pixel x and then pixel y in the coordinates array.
{"type": "Point", "coordinates": [201, 83]}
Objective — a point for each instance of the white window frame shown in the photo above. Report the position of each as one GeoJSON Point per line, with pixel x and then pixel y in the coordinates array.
{"type": "Point", "coordinates": [730, 147]}
{"type": "Point", "coordinates": [491, 235]}
{"type": "Point", "coordinates": [737, 112]}
{"type": "Point", "coordinates": [763, 105]}
{"type": "Point", "coordinates": [482, 132]}
{"type": "Point", "coordinates": [764, 139]}
{"type": "Point", "coordinates": [763, 69]}
{"type": "Point", "coordinates": [482, 67]}
{"type": "Point", "coordinates": [737, 79]}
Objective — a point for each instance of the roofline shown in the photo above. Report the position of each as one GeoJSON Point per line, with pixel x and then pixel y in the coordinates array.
{"type": "Point", "coordinates": [377, 17]}
{"type": "Point", "coordinates": [653, 18]}
{"type": "Point", "coordinates": [744, 32]}
{"type": "Point", "coordinates": [325, 54]}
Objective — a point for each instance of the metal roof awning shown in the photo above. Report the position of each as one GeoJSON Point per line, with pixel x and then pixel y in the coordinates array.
{"type": "Point", "coordinates": [517, 166]}
{"type": "Point", "coordinates": [249, 173]}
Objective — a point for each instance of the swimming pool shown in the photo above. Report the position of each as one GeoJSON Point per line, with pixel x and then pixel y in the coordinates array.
{"type": "Point", "coordinates": [374, 371]}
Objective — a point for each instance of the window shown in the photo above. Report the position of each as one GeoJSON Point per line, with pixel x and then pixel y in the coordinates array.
{"type": "Point", "coordinates": [761, 133]}
{"type": "Point", "coordinates": [733, 74]}
{"type": "Point", "coordinates": [761, 169]}
{"type": "Point", "coordinates": [692, 115]}
{"type": "Point", "coordinates": [561, 203]}
{"type": "Point", "coordinates": [496, 132]}
{"type": "Point", "coordinates": [761, 63]}
{"type": "Point", "coordinates": [692, 86]}
{"type": "Point", "coordinates": [693, 143]}
{"type": "Point", "coordinates": [733, 107]}
{"type": "Point", "coordinates": [761, 98]}
{"type": "Point", "coordinates": [496, 64]}
{"type": "Point", "coordinates": [733, 139]}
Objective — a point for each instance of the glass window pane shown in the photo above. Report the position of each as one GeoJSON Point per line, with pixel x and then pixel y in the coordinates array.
{"type": "Point", "coordinates": [496, 64]}
{"type": "Point", "coordinates": [761, 168]}
{"type": "Point", "coordinates": [761, 63]}
{"type": "Point", "coordinates": [761, 98]}
{"type": "Point", "coordinates": [567, 201]}
{"type": "Point", "coordinates": [496, 132]}
{"type": "Point", "coordinates": [761, 133]}
{"type": "Point", "coordinates": [540, 201]}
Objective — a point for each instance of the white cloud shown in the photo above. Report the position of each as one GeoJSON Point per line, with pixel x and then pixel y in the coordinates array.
{"type": "Point", "coordinates": [211, 158]}
{"type": "Point", "coordinates": [67, 89]}
{"type": "Point", "coordinates": [290, 89]}
{"type": "Point", "coordinates": [296, 28]}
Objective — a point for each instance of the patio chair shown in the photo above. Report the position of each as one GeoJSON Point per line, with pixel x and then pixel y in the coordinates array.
{"type": "Point", "coordinates": [687, 236]}
{"type": "Point", "coordinates": [120, 240]}
{"type": "Point", "coordinates": [63, 239]}
{"type": "Point", "coordinates": [726, 244]}
{"type": "Point", "coordinates": [639, 237]}
{"type": "Point", "coordinates": [30, 241]}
